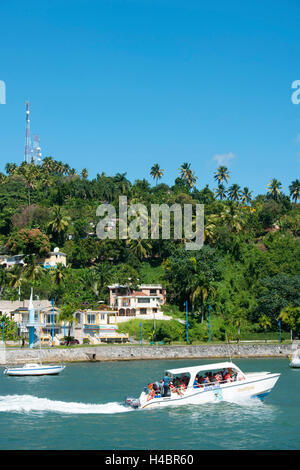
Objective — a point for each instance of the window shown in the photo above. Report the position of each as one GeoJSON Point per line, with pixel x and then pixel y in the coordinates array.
{"type": "Point", "coordinates": [91, 319]}
{"type": "Point", "coordinates": [102, 316]}
{"type": "Point", "coordinates": [50, 318]}
{"type": "Point", "coordinates": [143, 311]}
{"type": "Point", "coordinates": [78, 317]}
{"type": "Point", "coordinates": [143, 301]}
{"type": "Point", "coordinates": [152, 291]}
{"type": "Point", "coordinates": [154, 310]}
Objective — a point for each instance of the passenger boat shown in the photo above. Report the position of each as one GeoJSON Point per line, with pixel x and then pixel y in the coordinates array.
{"type": "Point", "coordinates": [295, 359]}
{"type": "Point", "coordinates": [34, 369]}
{"type": "Point", "coordinates": [239, 385]}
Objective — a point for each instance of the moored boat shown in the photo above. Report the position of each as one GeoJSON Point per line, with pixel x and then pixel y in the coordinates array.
{"type": "Point", "coordinates": [223, 381]}
{"type": "Point", "coordinates": [295, 359]}
{"type": "Point", "coordinates": [33, 369]}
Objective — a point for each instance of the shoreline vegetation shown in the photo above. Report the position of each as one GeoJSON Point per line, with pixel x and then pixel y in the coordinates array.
{"type": "Point", "coordinates": [246, 277]}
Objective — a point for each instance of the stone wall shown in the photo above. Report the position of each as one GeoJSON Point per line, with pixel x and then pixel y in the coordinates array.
{"type": "Point", "coordinates": [136, 352]}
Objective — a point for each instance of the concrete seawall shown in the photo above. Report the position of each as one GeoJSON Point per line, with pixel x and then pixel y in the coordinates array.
{"type": "Point", "coordinates": [136, 352]}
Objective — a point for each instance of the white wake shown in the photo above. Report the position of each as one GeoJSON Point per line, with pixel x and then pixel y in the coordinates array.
{"type": "Point", "coordinates": [28, 403]}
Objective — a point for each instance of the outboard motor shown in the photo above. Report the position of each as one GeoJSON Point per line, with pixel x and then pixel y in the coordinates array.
{"type": "Point", "coordinates": [133, 402]}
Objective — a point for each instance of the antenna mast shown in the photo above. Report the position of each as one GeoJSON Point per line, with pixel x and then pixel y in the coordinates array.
{"type": "Point", "coordinates": [27, 153]}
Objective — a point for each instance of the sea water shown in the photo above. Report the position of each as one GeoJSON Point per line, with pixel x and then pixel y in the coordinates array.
{"type": "Point", "coordinates": [83, 408]}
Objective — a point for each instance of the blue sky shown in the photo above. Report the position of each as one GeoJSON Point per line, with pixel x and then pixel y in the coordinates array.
{"type": "Point", "coordinates": [117, 86]}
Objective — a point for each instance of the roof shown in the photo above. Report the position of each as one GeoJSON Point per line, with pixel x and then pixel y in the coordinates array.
{"type": "Point", "coordinates": [195, 369]}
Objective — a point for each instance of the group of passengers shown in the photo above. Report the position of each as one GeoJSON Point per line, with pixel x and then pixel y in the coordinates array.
{"type": "Point", "coordinates": [178, 385]}
{"type": "Point", "coordinates": [222, 376]}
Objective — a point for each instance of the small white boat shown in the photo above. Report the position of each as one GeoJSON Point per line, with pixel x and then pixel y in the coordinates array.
{"type": "Point", "coordinates": [295, 359]}
{"type": "Point", "coordinates": [34, 369]}
{"type": "Point", "coordinates": [194, 392]}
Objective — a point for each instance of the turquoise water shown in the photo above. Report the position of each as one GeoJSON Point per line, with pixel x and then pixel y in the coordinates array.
{"type": "Point", "coordinates": [83, 409]}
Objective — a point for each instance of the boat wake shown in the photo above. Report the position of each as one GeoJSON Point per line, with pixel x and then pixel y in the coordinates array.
{"type": "Point", "coordinates": [29, 403]}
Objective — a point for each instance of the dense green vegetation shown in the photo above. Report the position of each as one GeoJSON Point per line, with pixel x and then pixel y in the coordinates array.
{"type": "Point", "coordinates": [248, 270]}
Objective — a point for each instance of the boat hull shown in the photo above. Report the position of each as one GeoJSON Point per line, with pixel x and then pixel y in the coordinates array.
{"type": "Point", "coordinates": [259, 387]}
{"type": "Point", "coordinates": [295, 365]}
{"type": "Point", "coordinates": [23, 372]}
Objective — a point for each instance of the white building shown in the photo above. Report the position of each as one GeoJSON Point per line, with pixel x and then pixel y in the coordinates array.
{"type": "Point", "coordinates": [145, 302]}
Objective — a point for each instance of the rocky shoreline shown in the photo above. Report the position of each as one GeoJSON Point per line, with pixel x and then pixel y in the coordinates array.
{"type": "Point", "coordinates": [137, 352]}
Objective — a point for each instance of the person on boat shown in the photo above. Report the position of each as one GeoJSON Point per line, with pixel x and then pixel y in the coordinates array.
{"type": "Point", "coordinates": [166, 381]}
{"type": "Point", "coordinates": [151, 392]}
{"type": "Point", "coordinates": [175, 389]}
{"type": "Point", "coordinates": [219, 377]}
{"type": "Point", "coordinates": [156, 388]}
{"type": "Point", "coordinates": [226, 376]}
{"type": "Point", "coordinates": [197, 383]}
{"type": "Point", "coordinates": [206, 379]}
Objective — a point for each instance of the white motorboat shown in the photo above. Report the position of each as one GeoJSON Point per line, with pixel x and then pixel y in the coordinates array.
{"type": "Point", "coordinates": [232, 385]}
{"type": "Point", "coordinates": [34, 369]}
{"type": "Point", "coordinates": [295, 359]}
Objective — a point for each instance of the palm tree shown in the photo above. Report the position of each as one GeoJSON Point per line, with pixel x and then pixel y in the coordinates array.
{"type": "Point", "coordinates": [265, 322]}
{"type": "Point", "coordinates": [49, 165]}
{"type": "Point", "coordinates": [200, 290]}
{"type": "Point", "coordinates": [220, 192]}
{"type": "Point", "coordinates": [187, 174]}
{"type": "Point", "coordinates": [58, 225]}
{"type": "Point", "coordinates": [234, 192]}
{"type": "Point", "coordinates": [184, 169]}
{"type": "Point", "coordinates": [222, 174]}
{"type": "Point", "coordinates": [210, 227]}
{"type": "Point", "coordinates": [232, 218]}
{"type": "Point", "coordinates": [67, 313]}
{"type": "Point", "coordinates": [156, 172]}
{"type": "Point", "coordinates": [10, 168]}
{"type": "Point", "coordinates": [290, 316]}
{"type": "Point", "coordinates": [274, 189]}
{"type": "Point", "coordinates": [139, 247]}
{"type": "Point", "coordinates": [84, 173]}
{"type": "Point", "coordinates": [32, 270]}
{"type": "Point", "coordinates": [295, 190]}
{"type": "Point", "coordinates": [122, 182]}
{"type": "Point", "coordinates": [246, 195]}
{"type": "Point", "coordinates": [58, 274]}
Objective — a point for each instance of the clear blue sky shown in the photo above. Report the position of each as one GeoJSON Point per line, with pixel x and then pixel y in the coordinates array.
{"type": "Point", "coordinates": [117, 86]}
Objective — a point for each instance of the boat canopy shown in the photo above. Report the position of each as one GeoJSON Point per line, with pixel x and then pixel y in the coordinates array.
{"type": "Point", "coordinates": [195, 369]}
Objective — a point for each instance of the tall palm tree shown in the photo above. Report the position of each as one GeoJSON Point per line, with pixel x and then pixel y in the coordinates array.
{"type": "Point", "coordinates": [234, 192]}
{"type": "Point", "coordinates": [184, 169]}
{"type": "Point", "coordinates": [187, 174]}
{"type": "Point", "coordinates": [58, 274]}
{"type": "Point", "coordinates": [295, 190]}
{"type": "Point", "coordinates": [10, 168]}
{"type": "Point", "coordinates": [49, 165]}
{"type": "Point", "coordinates": [139, 247]}
{"type": "Point", "coordinates": [84, 173]}
{"type": "Point", "coordinates": [221, 192]}
{"type": "Point", "coordinates": [274, 188]}
{"type": "Point", "coordinates": [156, 172]}
{"type": "Point", "coordinates": [122, 182]}
{"type": "Point", "coordinates": [201, 290]}
{"type": "Point", "coordinates": [32, 270]}
{"type": "Point", "coordinates": [58, 225]}
{"type": "Point", "coordinates": [246, 195]}
{"type": "Point", "coordinates": [222, 174]}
